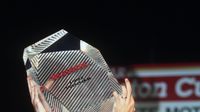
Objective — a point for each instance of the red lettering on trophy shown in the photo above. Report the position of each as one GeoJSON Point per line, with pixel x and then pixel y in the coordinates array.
{"type": "Point", "coordinates": [69, 71]}
{"type": "Point", "coordinates": [63, 73]}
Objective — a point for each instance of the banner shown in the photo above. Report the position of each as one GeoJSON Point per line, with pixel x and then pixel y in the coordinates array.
{"type": "Point", "coordinates": [163, 87]}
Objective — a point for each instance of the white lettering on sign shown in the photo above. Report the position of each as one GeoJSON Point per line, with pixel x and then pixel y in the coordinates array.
{"type": "Point", "coordinates": [146, 90]}
{"type": "Point", "coordinates": [183, 109]}
{"type": "Point", "coordinates": [160, 90]}
{"type": "Point", "coordinates": [195, 89]}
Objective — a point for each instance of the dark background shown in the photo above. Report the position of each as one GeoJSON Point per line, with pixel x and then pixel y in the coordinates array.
{"type": "Point", "coordinates": [126, 32]}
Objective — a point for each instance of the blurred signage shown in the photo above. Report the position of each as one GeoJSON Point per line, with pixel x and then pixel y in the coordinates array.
{"type": "Point", "coordinates": [163, 87]}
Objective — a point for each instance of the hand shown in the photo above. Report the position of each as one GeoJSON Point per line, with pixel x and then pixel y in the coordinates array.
{"type": "Point", "coordinates": [37, 98]}
{"type": "Point", "coordinates": [124, 102]}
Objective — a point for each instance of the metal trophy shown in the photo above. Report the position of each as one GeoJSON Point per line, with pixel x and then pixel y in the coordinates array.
{"type": "Point", "coordinates": [72, 74]}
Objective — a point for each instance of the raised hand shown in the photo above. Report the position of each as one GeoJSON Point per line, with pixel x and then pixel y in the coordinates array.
{"type": "Point", "coordinates": [124, 102]}
{"type": "Point", "coordinates": [37, 98]}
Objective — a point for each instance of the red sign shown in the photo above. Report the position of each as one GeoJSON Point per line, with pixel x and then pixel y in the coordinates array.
{"type": "Point", "coordinates": [163, 87]}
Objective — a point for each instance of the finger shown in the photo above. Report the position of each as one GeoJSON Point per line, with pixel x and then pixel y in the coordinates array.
{"type": "Point", "coordinates": [116, 96]}
{"type": "Point", "coordinates": [43, 101]}
{"type": "Point", "coordinates": [29, 86]}
{"type": "Point", "coordinates": [39, 106]}
{"type": "Point", "coordinates": [48, 84]}
{"type": "Point", "coordinates": [31, 90]}
{"type": "Point", "coordinates": [30, 82]}
{"type": "Point", "coordinates": [124, 91]}
{"type": "Point", "coordinates": [36, 99]}
{"type": "Point", "coordinates": [128, 88]}
{"type": "Point", "coordinates": [39, 98]}
{"type": "Point", "coordinates": [35, 88]}
{"type": "Point", "coordinates": [35, 92]}
{"type": "Point", "coordinates": [132, 101]}
{"type": "Point", "coordinates": [34, 83]}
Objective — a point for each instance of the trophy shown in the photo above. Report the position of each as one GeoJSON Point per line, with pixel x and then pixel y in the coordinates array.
{"type": "Point", "coordinates": [72, 75]}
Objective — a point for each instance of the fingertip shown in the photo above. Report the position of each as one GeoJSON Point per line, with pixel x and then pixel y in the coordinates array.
{"type": "Point", "coordinates": [114, 93]}
{"type": "Point", "coordinates": [126, 80]}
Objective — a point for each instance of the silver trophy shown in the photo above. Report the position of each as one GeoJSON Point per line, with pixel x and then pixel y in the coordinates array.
{"type": "Point", "coordinates": [72, 74]}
